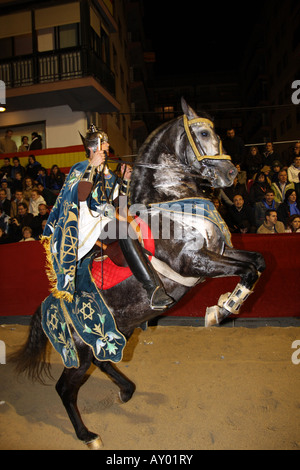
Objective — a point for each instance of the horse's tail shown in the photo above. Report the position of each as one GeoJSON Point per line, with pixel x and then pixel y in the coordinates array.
{"type": "Point", "coordinates": [32, 358]}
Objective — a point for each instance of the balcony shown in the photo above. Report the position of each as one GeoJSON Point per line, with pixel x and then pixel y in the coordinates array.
{"type": "Point", "coordinates": [73, 76]}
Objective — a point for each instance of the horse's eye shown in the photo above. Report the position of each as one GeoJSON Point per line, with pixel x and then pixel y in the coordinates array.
{"type": "Point", "coordinates": [204, 134]}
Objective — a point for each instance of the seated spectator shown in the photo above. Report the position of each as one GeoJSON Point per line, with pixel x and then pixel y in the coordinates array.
{"type": "Point", "coordinates": [276, 167]}
{"type": "Point", "coordinates": [5, 170]}
{"type": "Point", "coordinates": [269, 155]}
{"type": "Point", "coordinates": [294, 152]}
{"type": "Point", "coordinates": [4, 221]}
{"type": "Point", "coordinates": [4, 185]}
{"type": "Point", "coordinates": [47, 194]}
{"type": "Point", "coordinates": [27, 235]}
{"type": "Point", "coordinates": [56, 179]}
{"type": "Point", "coordinates": [293, 171]}
{"type": "Point", "coordinates": [17, 183]}
{"type": "Point", "coordinates": [19, 197]}
{"type": "Point", "coordinates": [293, 224]}
{"type": "Point", "coordinates": [288, 207]}
{"type": "Point", "coordinates": [240, 216]}
{"type": "Point", "coordinates": [43, 177]}
{"type": "Point", "coordinates": [4, 238]}
{"type": "Point", "coordinates": [23, 219]}
{"type": "Point", "coordinates": [242, 175]}
{"type": "Point", "coordinates": [4, 201]}
{"type": "Point", "coordinates": [34, 202]}
{"type": "Point", "coordinates": [28, 186]}
{"type": "Point", "coordinates": [37, 223]}
{"type": "Point", "coordinates": [282, 186]}
{"type": "Point", "coordinates": [271, 225]}
{"type": "Point", "coordinates": [260, 208]}
{"type": "Point", "coordinates": [227, 194]}
{"type": "Point", "coordinates": [259, 188]}
{"type": "Point", "coordinates": [32, 168]}
{"type": "Point", "coordinates": [17, 168]}
{"type": "Point", "coordinates": [25, 144]}
{"type": "Point", "coordinates": [253, 162]}
{"type": "Point", "coordinates": [220, 207]}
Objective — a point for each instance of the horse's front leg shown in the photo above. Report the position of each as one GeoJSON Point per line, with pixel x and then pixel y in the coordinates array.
{"type": "Point", "coordinates": [209, 264]}
{"type": "Point", "coordinates": [231, 303]}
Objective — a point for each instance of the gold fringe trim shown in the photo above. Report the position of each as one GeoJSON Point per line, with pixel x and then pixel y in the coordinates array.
{"type": "Point", "coordinates": [51, 274]}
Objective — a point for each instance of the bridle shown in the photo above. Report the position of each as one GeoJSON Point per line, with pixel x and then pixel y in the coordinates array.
{"type": "Point", "coordinates": [198, 149]}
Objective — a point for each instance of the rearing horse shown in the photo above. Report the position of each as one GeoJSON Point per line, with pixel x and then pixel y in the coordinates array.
{"type": "Point", "coordinates": [175, 164]}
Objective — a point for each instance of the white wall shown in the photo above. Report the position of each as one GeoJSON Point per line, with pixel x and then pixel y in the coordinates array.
{"type": "Point", "coordinates": [62, 125]}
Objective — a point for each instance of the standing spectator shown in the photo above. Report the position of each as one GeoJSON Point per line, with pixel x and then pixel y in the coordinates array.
{"type": "Point", "coordinates": [240, 216]}
{"type": "Point", "coordinates": [56, 179]}
{"type": "Point", "coordinates": [7, 144]}
{"type": "Point", "coordinates": [17, 183]}
{"type": "Point", "coordinates": [293, 224]}
{"type": "Point", "coordinates": [288, 207]}
{"type": "Point", "coordinates": [234, 146]}
{"type": "Point", "coordinates": [32, 168]}
{"type": "Point", "coordinates": [253, 162]}
{"type": "Point", "coordinates": [259, 188]}
{"type": "Point", "coordinates": [36, 142]}
{"type": "Point", "coordinates": [294, 171]}
{"type": "Point", "coordinates": [25, 144]}
{"type": "Point", "coordinates": [271, 224]}
{"type": "Point", "coordinates": [267, 203]}
{"type": "Point", "coordinates": [282, 186]}
{"type": "Point", "coordinates": [34, 202]}
{"type": "Point", "coordinates": [4, 202]}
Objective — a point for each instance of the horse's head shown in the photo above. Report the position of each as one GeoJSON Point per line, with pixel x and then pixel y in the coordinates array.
{"type": "Point", "coordinates": [200, 148]}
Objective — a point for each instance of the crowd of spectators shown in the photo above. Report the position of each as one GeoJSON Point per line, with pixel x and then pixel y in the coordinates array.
{"type": "Point", "coordinates": [265, 196]}
{"type": "Point", "coordinates": [27, 195]}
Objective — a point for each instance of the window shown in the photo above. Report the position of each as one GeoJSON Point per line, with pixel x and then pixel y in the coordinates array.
{"type": "Point", "coordinates": [58, 37]}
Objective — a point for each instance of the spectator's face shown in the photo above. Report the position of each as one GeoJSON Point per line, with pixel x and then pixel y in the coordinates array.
{"type": "Point", "coordinates": [282, 176]}
{"type": "Point", "coordinates": [269, 198]}
{"type": "Point", "coordinates": [22, 210]}
{"type": "Point", "coordinates": [292, 197]}
{"type": "Point", "coordinates": [272, 218]}
{"type": "Point", "coordinates": [238, 202]}
{"type": "Point", "coordinates": [296, 223]}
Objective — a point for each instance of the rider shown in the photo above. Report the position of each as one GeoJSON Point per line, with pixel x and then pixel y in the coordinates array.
{"type": "Point", "coordinates": [80, 214]}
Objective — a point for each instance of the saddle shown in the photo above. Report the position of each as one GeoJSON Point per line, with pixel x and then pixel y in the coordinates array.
{"type": "Point", "coordinates": [109, 267]}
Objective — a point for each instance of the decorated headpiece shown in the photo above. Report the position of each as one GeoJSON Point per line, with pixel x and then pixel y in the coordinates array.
{"type": "Point", "coordinates": [93, 139]}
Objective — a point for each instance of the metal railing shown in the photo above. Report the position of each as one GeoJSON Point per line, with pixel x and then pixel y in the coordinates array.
{"type": "Point", "coordinates": [54, 66]}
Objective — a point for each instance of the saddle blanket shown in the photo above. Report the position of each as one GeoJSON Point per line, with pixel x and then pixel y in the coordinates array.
{"type": "Point", "coordinates": [88, 315]}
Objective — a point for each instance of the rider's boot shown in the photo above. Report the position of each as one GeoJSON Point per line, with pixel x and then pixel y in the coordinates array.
{"type": "Point", "coordinates": [145, 274]}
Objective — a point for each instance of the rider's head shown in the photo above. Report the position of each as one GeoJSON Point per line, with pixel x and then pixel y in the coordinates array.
{"type": "Point", "coordinates": [94, 139]}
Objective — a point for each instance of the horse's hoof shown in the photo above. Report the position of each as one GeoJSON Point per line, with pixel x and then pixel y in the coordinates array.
{"type": "Point", "coordinates": [212, 316]}
{"type": "Point", "coordinates": [95, 444]}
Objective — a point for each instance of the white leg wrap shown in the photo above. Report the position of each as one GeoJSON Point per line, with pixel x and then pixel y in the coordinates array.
{"type": "Point", "coordinates": [236, 299]}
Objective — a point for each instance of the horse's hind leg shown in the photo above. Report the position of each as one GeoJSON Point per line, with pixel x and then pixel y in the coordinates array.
{"type": "Point", "coordinates": [127, 387]}
{"type": "Point", "coordinates": [67, 387]}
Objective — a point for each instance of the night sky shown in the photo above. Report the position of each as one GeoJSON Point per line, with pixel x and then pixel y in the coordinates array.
{"type": "Point", "coordinates": [191, 36]}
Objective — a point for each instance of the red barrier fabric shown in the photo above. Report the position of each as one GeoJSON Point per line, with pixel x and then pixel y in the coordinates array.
{"type": "Point", "coordinates": [24, 284]}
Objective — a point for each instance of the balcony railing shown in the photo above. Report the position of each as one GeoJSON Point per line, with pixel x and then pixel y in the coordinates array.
{"type": "Point", "coordinates": [54, 66]}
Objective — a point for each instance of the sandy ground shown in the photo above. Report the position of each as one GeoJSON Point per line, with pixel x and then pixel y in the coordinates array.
{"type": "Point", "coordinates": [210, 389]}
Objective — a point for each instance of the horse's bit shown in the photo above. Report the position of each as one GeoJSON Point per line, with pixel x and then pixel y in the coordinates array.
{"type": "Point", "coordinates": [201, 156]}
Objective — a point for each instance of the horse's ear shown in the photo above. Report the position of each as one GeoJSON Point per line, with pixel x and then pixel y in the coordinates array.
{"type": "Point", "coordinates": [190, 113]}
